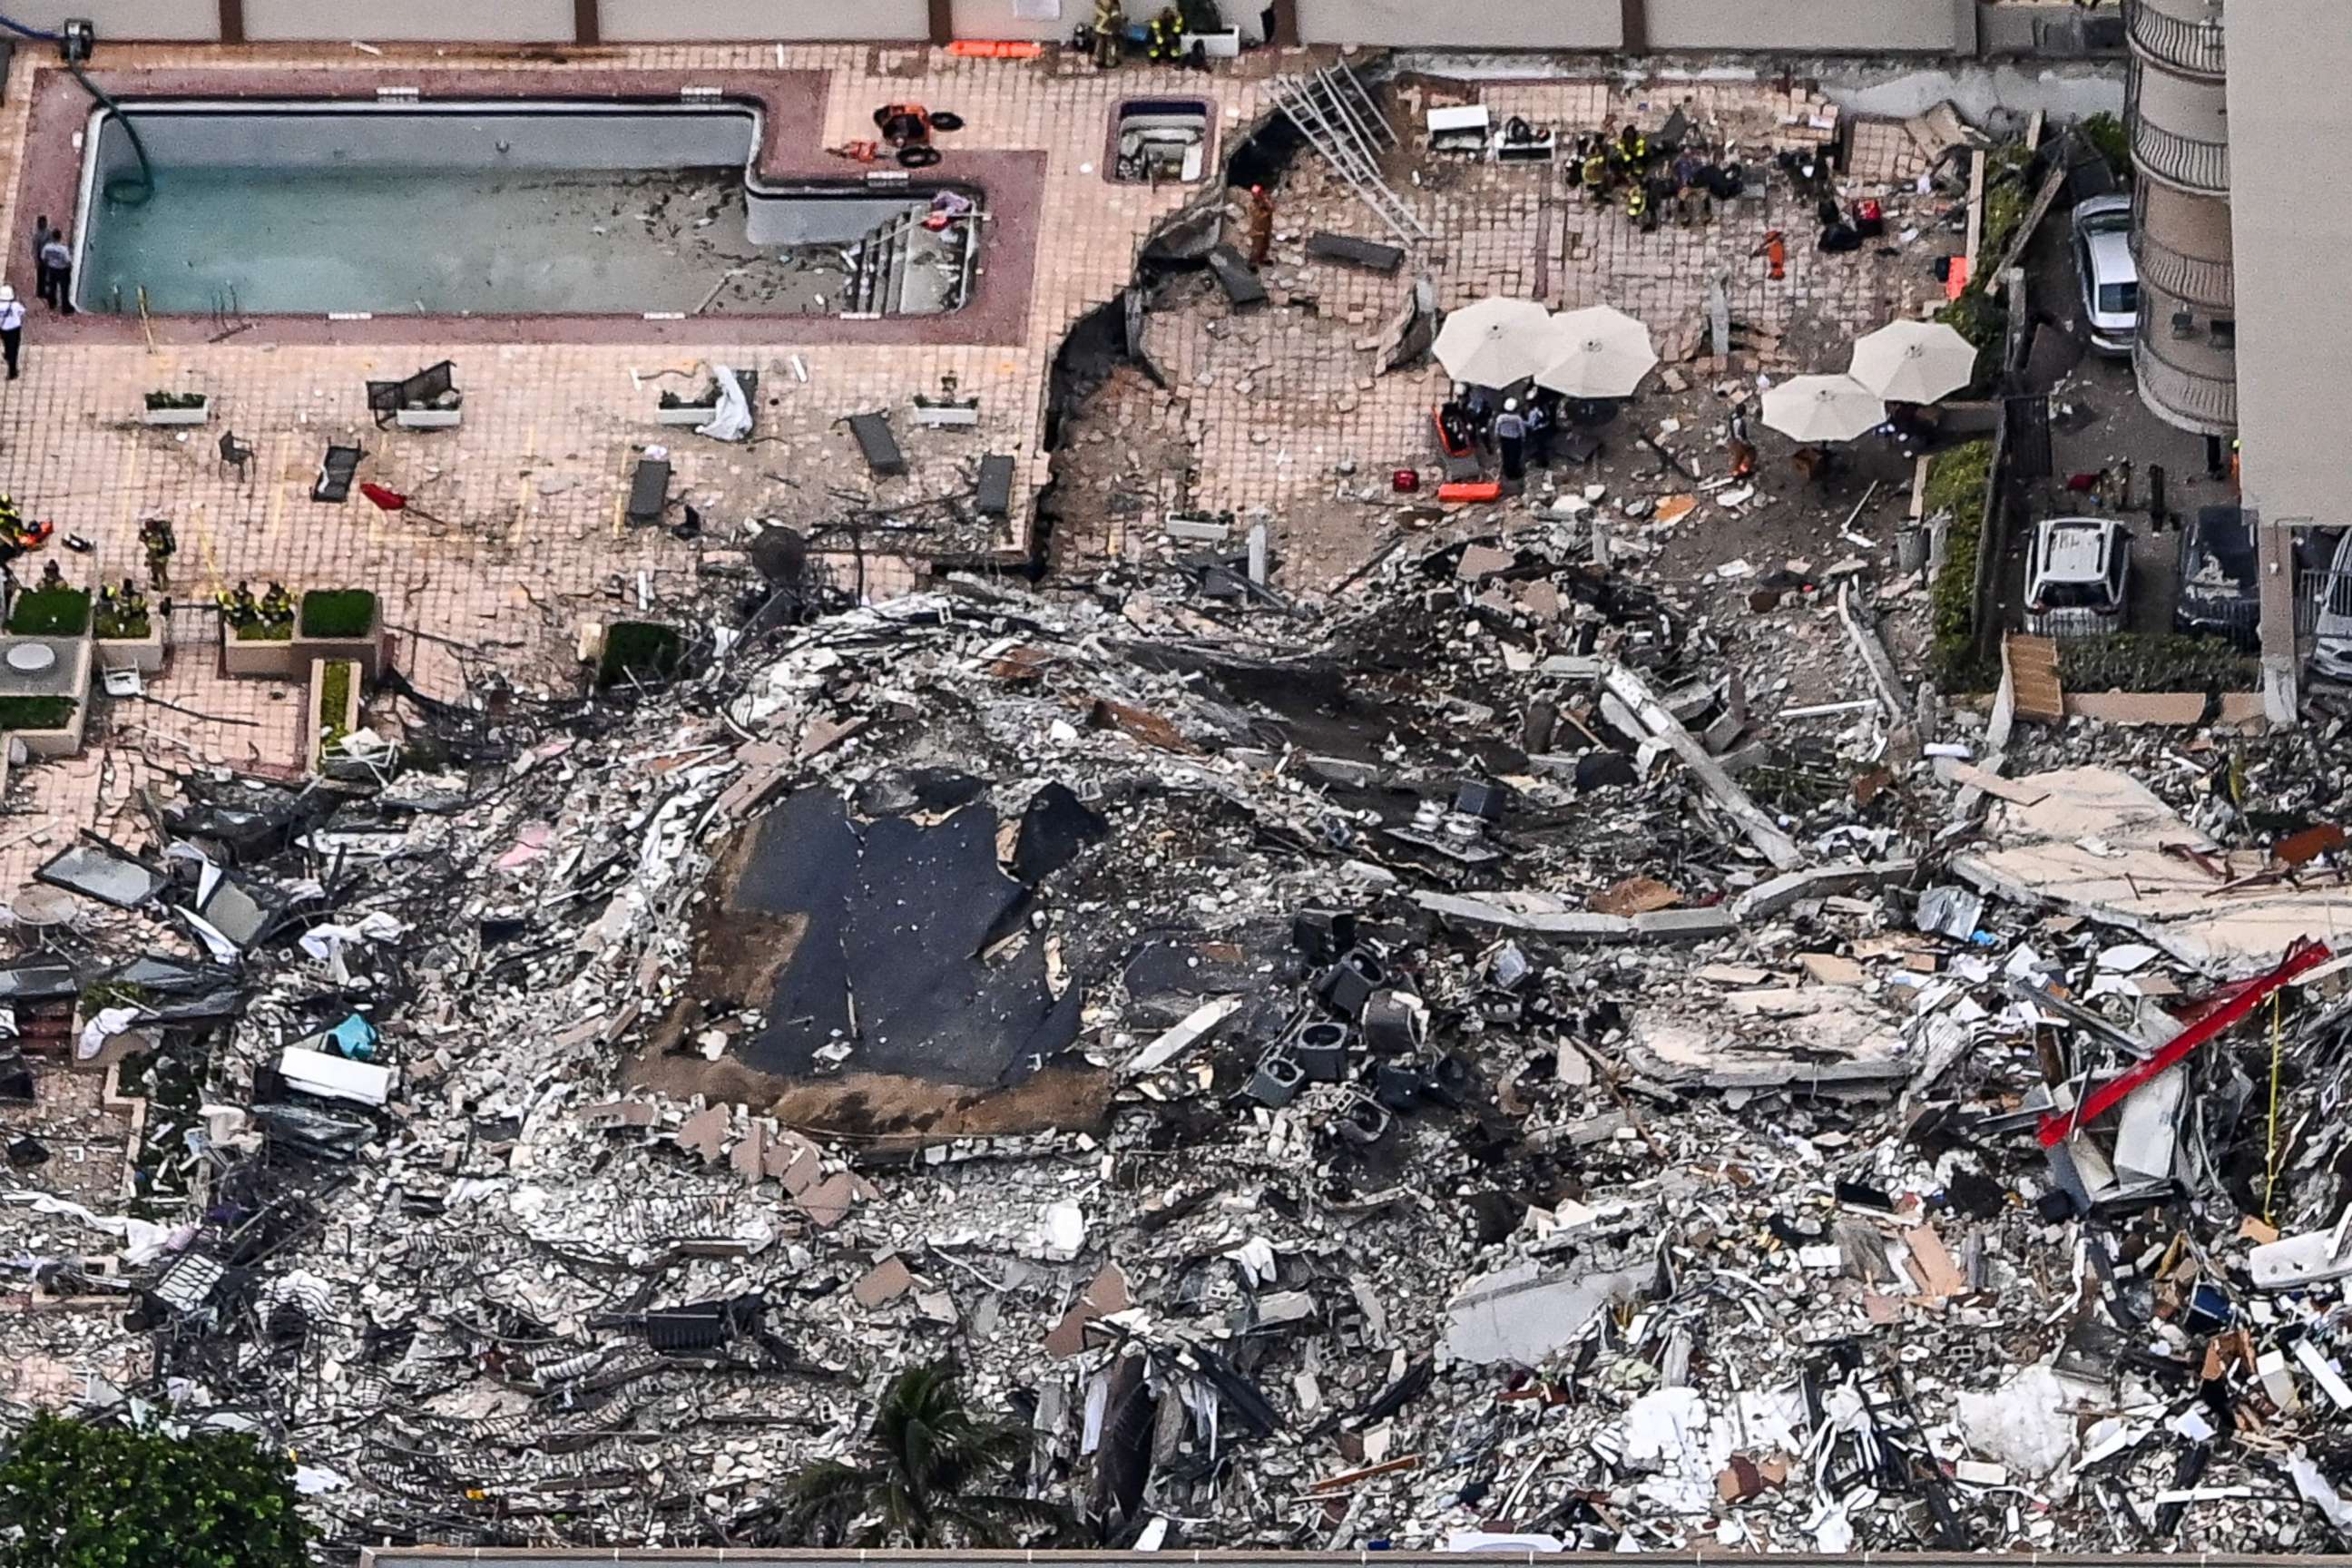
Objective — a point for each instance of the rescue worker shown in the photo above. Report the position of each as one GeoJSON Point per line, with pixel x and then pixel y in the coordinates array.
{"type": "Point", "coordinates": [1110, 33]}
{"type": "Point", "coordinates": [1163, 40]}
{"type": "Point", "coordinates": [1634, 146]}
{"type": "Point", "coordinates": [277, 604]}
{"type": "Point", "coordinates": [155, 535]}
{"type": "Point", "coordinates": [1596, 176]}
{"type": "Point", "coordinates": [1511, 440]}
{"type": "Point", "coordinates": [50, 577]}
{"type": "Point", "coordinates": [1637, 204]}
{"type": "Point", "coordinates": [1261, 225]}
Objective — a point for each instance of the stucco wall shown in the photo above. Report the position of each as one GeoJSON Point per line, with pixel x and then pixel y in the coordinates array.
{"type": "Point", "coordinates": [760, 21]}
{"type": "Point", "coordinates": [1842, 26]}
{"type": "Point", "coordinates": [455, 21]}
{"type": "Point", "coordinates": [174, 19]}
{"type": "Point", "coordinates": [2290, 125]}
{"type": "Point", "coordinates": [1469, 24]}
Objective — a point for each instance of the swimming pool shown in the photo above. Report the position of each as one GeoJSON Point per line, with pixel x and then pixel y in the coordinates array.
{"type": "Point", "coordinates": [488, 208]}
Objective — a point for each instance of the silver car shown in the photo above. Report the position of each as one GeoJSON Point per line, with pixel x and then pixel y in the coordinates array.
{"type": "Point", "coordinates": [2105, 273]}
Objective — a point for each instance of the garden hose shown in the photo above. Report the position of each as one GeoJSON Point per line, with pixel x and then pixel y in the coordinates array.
{"type": "Point", "coordinates": [128, 189]}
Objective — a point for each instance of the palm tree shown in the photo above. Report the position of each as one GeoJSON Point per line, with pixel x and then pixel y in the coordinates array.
{"type": "Point", "coordinates": [928, 1457]}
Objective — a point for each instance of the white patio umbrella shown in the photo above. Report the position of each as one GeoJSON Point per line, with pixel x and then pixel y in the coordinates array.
{"type": "Point", "coordinates": [1914, 362]}
{"type": "Point", "coordinates": [1823, 408]}
{"type": "Point", "coordinates": [1494, 342]}
{"type": "Point", "coordinates": [1602, 353]}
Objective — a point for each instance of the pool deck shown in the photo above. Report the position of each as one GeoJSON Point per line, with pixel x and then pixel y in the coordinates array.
{"type": "Point", "coordinates": [556, 412]}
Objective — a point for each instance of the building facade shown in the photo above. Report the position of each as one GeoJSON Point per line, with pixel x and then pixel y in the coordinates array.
{"type": "Point", "coordinates": [2177, 110]}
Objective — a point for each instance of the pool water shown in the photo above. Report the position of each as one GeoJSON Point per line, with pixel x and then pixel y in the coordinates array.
{"type": "Point", "coordinates": [432, 211]}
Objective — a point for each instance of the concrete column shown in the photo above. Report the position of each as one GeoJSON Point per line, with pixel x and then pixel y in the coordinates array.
{"type": "Point", "coordinates": [232, 21]}
{"type": "Point", "coordinates": [1633, 27]}
{"type": "Point", "coordinates": [1965, 41]}
{"type": "Point", "coordinates": [2282, 664]}
{"type": "Point", "coordinates": [587, 22]}
{"type": "Point", "coordinates": [942, 21]}
{"type": "Point", "coordinates": [1285, 24]}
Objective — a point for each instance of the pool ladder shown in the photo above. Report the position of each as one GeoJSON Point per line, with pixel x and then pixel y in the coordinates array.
{"type": "Point", "coordinates": [879, 285]}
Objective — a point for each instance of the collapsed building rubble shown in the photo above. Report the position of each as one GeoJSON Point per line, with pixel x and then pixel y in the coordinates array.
{"type": "Point", "coordinates": [1432, 1064]}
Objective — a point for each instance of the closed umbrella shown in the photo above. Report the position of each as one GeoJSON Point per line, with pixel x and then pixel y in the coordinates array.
{"type": "Point", "coordinates": [1823, 408]}
{"type": "Point", "coordinates": [1602, 352]}
{"type": "Point", "coordinates": [1914, 362]}
{"type": "Point", "coordinates": [1495, 341]}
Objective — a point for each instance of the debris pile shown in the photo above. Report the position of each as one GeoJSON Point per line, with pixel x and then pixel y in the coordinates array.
{"type": "Point", "coordinates": [1439, 1065]}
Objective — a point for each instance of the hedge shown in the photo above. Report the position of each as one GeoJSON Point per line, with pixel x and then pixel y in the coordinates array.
{"type": "Point", "coordinates": [75, 1495]}
{"type": "Point", "coordinates": [50, 613]}
{"type": "Point", "coordinates": [338, 612]}
{"type": "Point", "coordinates": [36, 712]}
{"type": "Point", "coordinates": [1956, 484]}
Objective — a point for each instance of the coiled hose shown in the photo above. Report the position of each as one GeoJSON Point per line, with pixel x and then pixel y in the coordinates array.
{"type": "Point", "coordinates": [127, 188]}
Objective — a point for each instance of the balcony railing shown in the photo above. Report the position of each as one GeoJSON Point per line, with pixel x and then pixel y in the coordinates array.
{"type": "Point", "coordinates": [2194, 47]}
{"type": "Point", "coordinates": [2200, 280]}
{"type": "Point", "coordinates": [2189, 162]}
{"type": "Point", "coordinates": [2193, 400]}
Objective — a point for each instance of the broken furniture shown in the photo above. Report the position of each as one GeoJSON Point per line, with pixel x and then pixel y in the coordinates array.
{"type": "Point", "coordinates": [877, 444]}
{"type": "Point", "coordinates": [429, 400]}
{"type": "Point", "coordinates": [337, 470]}
{"type": "Point", "coordinates": [649, 490]}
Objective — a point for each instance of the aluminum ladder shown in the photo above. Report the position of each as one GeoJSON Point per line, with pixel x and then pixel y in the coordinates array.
{"type": "Point", "coordinates": [1337, 115]}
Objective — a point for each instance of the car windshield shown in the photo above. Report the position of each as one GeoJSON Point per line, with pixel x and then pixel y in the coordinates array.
{"type": "Point", "coordinates": [2118, 298]}
{"type": "Point", "coordinates": [2076, 597]}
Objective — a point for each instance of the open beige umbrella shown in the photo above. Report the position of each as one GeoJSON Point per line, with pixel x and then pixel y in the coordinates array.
{"type": "Point", "coordinates": [1602, 352]}
{"type": "Point", "coordinates": [1495, 341]}
{"type": "Point", "coordinates": [1914, 362]}
{"type": "Point", "coordinates": [1823, 408]}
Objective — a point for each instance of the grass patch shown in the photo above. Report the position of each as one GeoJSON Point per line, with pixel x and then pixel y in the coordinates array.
{"type": "Point", "coordinates": [334, 697]}
{"type": "Point", "coordinates": [2142, 661]}
{"type": "Point", "coordinates": [36, 712]}
{"type": "Point", "coordinates": [266, 631]}
{"type": "Point", "coordinates": [338, 612]}
{"type": "Point", "coordinates": [645, 650]}
{"type": "Point", "coordinates": [1956, 484]}
{"type": "Point", "coordinates": [50, 613]}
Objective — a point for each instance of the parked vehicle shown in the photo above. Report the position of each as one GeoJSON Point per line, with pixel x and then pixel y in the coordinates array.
{"type": "Point", "coordinates": [2106, 274]}
{"type": "Point", "coordinates": [2077, 576]}
{"type": "Point", "coordinates": [2220, 586]}
{"type": "Point", "coordinates": [2331, 653]}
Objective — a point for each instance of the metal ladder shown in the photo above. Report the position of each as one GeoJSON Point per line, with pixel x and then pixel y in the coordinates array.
{"type": "Point", "coordinates": [1337, 115]}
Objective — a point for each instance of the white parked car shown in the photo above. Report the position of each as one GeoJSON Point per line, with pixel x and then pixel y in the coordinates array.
{"type": "Point", "coordinates": [2105, 273]}
{"type": "Point", "coordinates": [2077, 576]}
{"type": "Point", "coordinates": [2331, 651]}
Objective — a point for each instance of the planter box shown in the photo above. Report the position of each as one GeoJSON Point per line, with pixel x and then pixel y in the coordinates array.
{"type": "Point", "coordinates": [948, 415]}
{"type": "Point", "coordinates": [144, 655]}
{"type": "Point", "coordinates": [691, 414]}
{"type": "Point", "coordinates": [196, 415]}
{"type": "Point", "coordinates": [67, 675]}
{"type": "Point", "coordinates": [1226, 44]}
{"type": "Point", "coordinates": [366, 651]}
{"type": "Point", "coordinates": [427, 418]}
{"type": "Point", "coordinates": [257, 659]}
{"type": "Point", "coordinates": [347, 721]}
{"type": "Point", "coordinates": [64, 742]}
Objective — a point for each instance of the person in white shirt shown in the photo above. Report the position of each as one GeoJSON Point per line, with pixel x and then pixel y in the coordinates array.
{"type": "Point", "coordinates": [12, 327]}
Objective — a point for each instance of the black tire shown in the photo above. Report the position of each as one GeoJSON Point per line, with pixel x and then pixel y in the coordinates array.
{"type": "Point", "coordinates": [947, 119]}
{"type": "Point", "coordinates": [918, 157]}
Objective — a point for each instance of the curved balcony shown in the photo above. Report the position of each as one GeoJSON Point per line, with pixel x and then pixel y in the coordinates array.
{"type": "Point", "coordinates": [2181, 247]}
{"type": "Point", "coordinates": [2161, 148]}
{"type": "Point", "coordinates": [2190, 44]}
{"type": "Point", "coordinates": [2202, 400]}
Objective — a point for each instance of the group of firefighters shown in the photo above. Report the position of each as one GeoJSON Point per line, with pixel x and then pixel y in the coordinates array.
{"type": "Point", "coordinates": [239, 609]}
{"type": "Point", "coordinates": [1163, 37]}
{"type": "Point", "coordinates": [1651, 174]}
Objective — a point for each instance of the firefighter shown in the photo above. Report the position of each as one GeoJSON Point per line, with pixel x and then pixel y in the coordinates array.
{"type": "Point", "coordinates": [1163, 40]}
{"type": "Point", "coordinates": [1635, 147]}
{"type": "Point", "coordinates": [1261, 225]}
{"type": "Point", "coordinates": [277, 604]}
{"type": "Point", "coordinates": [1596, 176]}
{"type": "Point", "coordinates": [1637, 204]}
{"type": "Point", "coordinates": [1110, 33]}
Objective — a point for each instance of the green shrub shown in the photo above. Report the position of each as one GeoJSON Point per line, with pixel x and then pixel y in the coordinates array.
{"type": "Point", "coordinates": [266, 631]}
{"type": "Point", "coordinates": [645, 651]}
{"type": "Point", "coordinates": [113, 625]}
{"type": "Point", "coordinates": [78, 1496]}
{"type": "Point", "coordinates": [338, 612]}
{"type": "Point", "coordinates": [35, 713]}
{"type": "Point", "coordinates": [1956, 484]}
{"type": "Point", "coordinates": [334, 697]}
{"type": "Point", "coordinates": [50, 613]}
{"type": "Point", "coordinates": [159, 401]}
{"type": "Point", "coordinates": [2105, 134]}
{"type": "Point", "coordinates": [2143, 661]}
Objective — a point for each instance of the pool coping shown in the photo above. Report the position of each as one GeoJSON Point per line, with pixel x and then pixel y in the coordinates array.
{"type": "Point", "coordinates": [791, 105]}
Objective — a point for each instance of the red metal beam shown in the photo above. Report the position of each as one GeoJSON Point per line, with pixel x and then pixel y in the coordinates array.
{"type": "Point", "coordinates": [2211, 1021]}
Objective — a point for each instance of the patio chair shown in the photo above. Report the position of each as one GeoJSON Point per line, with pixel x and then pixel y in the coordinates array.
{"type": "Point", "coordinates": [336, 471]}
{"type": "Point", "coordinates": [235, 454]}
{"type": "Point", "coordinates": [424, 389]}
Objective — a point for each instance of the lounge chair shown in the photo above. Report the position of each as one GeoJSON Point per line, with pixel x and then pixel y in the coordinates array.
{"type": "Point", "coordinates": [995, 486]}
{"type": "Point", "coordinates": [336, 471]}
{"type": "Point", "coordinates": [878, 442]}
{"type": "Point", "coordinates": [425, 389]}
{"type": "Point", "coordinates": [1370, 255]}
{"type": "Point", "coordinates": [649, 490]}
